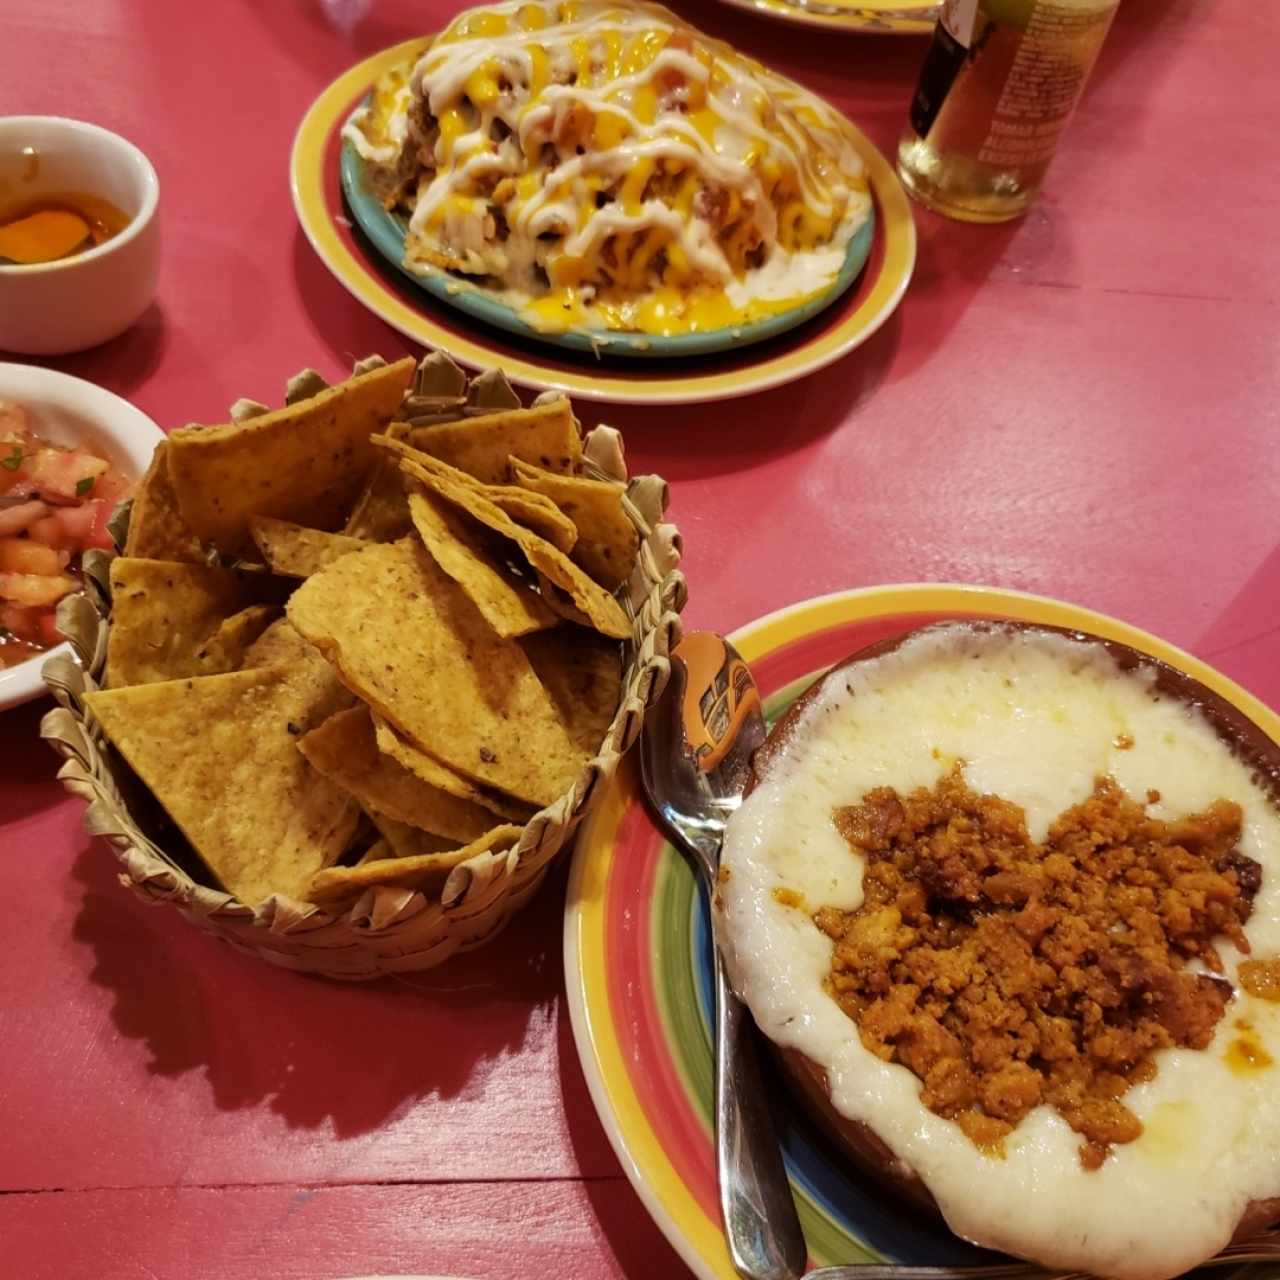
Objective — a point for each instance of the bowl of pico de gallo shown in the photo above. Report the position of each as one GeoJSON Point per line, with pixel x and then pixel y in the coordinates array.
{"type": "Point", "coordinates": [70, 452]}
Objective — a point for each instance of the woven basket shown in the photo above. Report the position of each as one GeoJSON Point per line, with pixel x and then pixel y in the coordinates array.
{"type": "Point", "coordinates": [386, 930]}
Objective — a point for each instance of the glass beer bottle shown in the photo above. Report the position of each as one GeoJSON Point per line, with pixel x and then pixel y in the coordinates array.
{"type": "Point", "coordinates": [998, 86]}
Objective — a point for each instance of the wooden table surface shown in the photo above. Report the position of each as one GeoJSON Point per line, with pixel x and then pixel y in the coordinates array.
{"type": "Point", "coordinates": [1084, 404]}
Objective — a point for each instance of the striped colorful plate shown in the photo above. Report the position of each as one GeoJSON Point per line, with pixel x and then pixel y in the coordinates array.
{"type": "Point", "coordinates": [880, 17]}
{"type": "Point", "coordinates": [315, 179]}
{"type": "Point", "coordinates": [637, 957]}
{"type": "Point", "coordinates": [386, 232]}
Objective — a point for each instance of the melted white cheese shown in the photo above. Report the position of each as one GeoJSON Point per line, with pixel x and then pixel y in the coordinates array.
{"type": "Point", "coordinates": [1036, 719]}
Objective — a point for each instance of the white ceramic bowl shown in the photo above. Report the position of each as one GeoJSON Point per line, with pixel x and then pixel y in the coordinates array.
{"type": "Point", "coordinates": [50, 308]}
{"type": "Point", "coordinates": [69, 411]}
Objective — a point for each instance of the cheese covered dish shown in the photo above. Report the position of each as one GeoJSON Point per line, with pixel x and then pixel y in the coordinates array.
{"type": "Point", "coordinates": [601, 166]}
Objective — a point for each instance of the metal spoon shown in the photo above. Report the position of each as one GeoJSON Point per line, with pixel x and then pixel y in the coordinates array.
{"type": "Point", "coordinates": [695, 756]}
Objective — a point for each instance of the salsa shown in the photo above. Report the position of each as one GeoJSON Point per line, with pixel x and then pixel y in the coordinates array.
{"type": "Point", "coordinates": [57, 226]}
{"type": "Point", "coordinates": [54, 504]}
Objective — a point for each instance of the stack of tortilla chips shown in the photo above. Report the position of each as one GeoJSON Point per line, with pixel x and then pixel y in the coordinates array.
{"type": "Point", "coordinates": [347, 652]}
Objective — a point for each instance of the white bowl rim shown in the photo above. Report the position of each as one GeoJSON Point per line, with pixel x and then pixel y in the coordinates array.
{"type": "Point", "coordinates": [124, 423]}
{"type": "Point", "coordinates": [150, 198]}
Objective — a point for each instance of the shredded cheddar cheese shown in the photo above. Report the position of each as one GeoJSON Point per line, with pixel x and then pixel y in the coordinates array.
{"type": "Point", "coordinates": [602, 165]}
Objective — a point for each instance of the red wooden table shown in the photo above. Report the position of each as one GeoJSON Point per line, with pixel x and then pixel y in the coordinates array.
{"type": "Point", "coordinates": [1083, 404]}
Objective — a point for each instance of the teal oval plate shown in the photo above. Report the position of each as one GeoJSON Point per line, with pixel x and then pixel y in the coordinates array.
{"type": "Point", "coordinates": [386, 232]}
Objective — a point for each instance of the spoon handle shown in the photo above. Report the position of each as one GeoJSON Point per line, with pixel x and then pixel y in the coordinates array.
{"type": "Point", "coordinates": [761, 1225]}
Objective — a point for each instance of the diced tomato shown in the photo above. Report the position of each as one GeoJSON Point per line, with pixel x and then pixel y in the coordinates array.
{"type": "Point", "coordinates": [35, 589]}
{"type": "Point", "coordinates": [98, 535]}
{"type": "Point", "coordinates": [77, 522]}
{"type": "Point", "coordinates": [22, 623]}
{"type": "Point", "coordinates": [49, 532]}
{"type": "Point", "coordinates": [49, 633]}
{"type": "Point", "coordinates": [59, 502]}
{"type": "Point", "coordinates": [35, 625]}
{"type": "Point", "coordinates": [13, 475]}
{"type": "Point", "coordinates": [66, 475]}
{"type": "Point", "coordinates": [86, 525]}
{"type": "Point", "coordinates": [21, 555]}
{"type": "Point", "coordinates": [13, 422]}
{"type": "Point", "coordinates": [111, 487]}
{"type": "Point", "coordinates": [18, 519]}
{"type": "Point", "coordinates": [16, 463]}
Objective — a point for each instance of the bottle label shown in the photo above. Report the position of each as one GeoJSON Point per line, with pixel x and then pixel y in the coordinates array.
{"type": "Point", "coordinates": [951, 39]}
{"type": "Point", "coordinates": [1053, 60]}
{"type": "Point", "coordinates": [960, 17]}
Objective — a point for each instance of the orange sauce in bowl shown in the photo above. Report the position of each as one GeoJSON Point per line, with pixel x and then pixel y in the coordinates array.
{"type": "Point", "coordinates": [56, 226]}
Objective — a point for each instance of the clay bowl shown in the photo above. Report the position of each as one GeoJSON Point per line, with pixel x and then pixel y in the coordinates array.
{"type": "Point", "coordinates": [808, 1080]}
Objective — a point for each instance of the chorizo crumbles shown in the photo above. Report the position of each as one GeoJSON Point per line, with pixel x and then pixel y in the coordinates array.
{"type": "Point", "coordinates": [1007, 973]}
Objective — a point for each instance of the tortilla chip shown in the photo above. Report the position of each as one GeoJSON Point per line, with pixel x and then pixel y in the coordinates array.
{"type": "Point", "coordinates": [381, 513]}
{"type": "Point", "coordinates": [357, 848]}
{"type": "Point", "coordinates": [583, 674]}
{"type": "Point", "coordinates": [345, 750]}
{"type": "Point", "coordinates": [608, 542]}
{"type": "Point", "coordinates": [560, 602]}
{"type": "Point", "coordinates": [440, 776]}
{"type": "Point", "coordinates": [295, 552]}
{"type": "Point", "coordinates": [225, 650]}
{"type": "Point", "coordinates": [220, 754]}
{"type": "Point", "coordinates": [535, 512]}
{"type": "Point", "coordinates": [280, 645]}
{"type": "Point", "coordinates": [163, 612]}
{"type": "Point", "coordinates": [403, 840]}
{"type": "Point", "coordinates": [547, 436]}
{"type": "Point", "coordinates": [406, 639]}
{"type": "Point", "coordinates": [157, 530]}
{"type": "Point", "coordinates": [525, 507]}
{"type": "Point", "coordinates": [509, 607]}
{"type": "Point", "coordinates": [427, 872]}
{"type": "Point", "coordinates": [306, 462]}
{"type": "Point", "coordinates": [604, 611]}
{"type": "Point", "coordinates": [378, 850]}
{"type": "Point", "coordinates": [395, 444]}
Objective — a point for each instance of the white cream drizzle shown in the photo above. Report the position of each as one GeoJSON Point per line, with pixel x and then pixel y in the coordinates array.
{"type": "Point", "coordinates": [1036, 719]}
{"type": "Point", "coordinates": [560, 206]}
{"type": "Point", "coordinates": [397, 131]}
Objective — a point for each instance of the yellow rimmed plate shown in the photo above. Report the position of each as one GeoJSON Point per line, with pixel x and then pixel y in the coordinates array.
{"type": "Point", "coordinates": [637, 954]}
{"type": "Point", "coordinates": [892, 17]}
{"type": "Point", "coordinates": [317, 198]}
